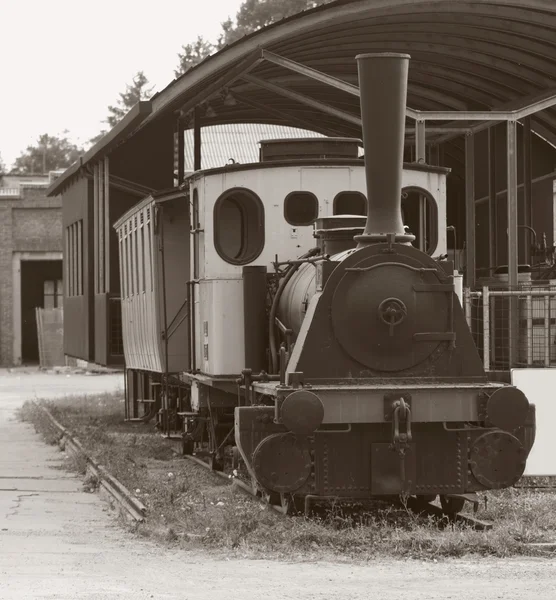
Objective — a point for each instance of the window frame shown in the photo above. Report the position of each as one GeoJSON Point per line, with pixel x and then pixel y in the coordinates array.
{"type": "Point", "coordinates": [355, 193]}
{"type": "Point", "coordinates": [260, 218]}
{"type": "Point", "coordinates": [316, 204]}
{"type": "Point", "coordinates": [434, 218]}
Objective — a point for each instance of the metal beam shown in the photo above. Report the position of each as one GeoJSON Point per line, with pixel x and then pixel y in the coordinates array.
{"type": "Point", "coordinates": [181, 150]}
{"type": "Point", "coordinates": [465, 115]}
{"type": "Point", "coordinates": [536, 107]}
{"type": "Point", "coordinates": [196, 138]}
{"type": "Point", "coordinates": [527, 188]}
{"type": "Point", "coordinates": [470, 210]}
{"type": "Point", "coordinates": [276, 112]}
{"type": "Point", "coordinates": [420, 143]}
{"type": "Point", "coordinates": [230, 76]}
{"type": "Point", "coordinates": [311, 73]}
{"type": "Point", "coordinates": [492, 214]}
{"type": "Point", "coordinates": [302, 99]}
{"type": "Point", "coordinates": [518, 108]}
{"type": "Point", "coordinates": [439, 130]}
{"type": "Point", "coordinates": [513, 323]}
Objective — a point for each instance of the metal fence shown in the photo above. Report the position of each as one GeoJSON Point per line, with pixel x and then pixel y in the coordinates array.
{"type": "Point", "coordinates": [513, 327]}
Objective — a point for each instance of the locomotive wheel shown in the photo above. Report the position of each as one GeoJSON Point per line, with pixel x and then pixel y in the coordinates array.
{"type": "Point", "coordinates": [235, 458]}
{"type": "Point", "coordinates": [216, 463]}
{"type": "Point", "coordinates": [420, 502]}
{"type": "Point", "coordinates": [451, 506]}
{"type": "Point", "coordinates": [292, 505]}
{"type": "Point", "coordinates": [272, 498]}
{"type": "Point", "coordinates": [187, 447]}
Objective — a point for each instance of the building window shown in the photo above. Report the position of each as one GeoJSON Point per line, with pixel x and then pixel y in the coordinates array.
{"type": "Point", "coordinates": [350, 203]}
{"type": "Point", "coordinates": [53, 294]}
{"type": "Point", "coordinates": [301, 208]}
{"type": "Point", "coordinates": [420, 216]}
{"type": "Point", "coordinates": [239, 226]}
{"type": "Point", "coordinates": [74, 259]}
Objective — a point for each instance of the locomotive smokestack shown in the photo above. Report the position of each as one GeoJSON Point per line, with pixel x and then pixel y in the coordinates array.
{"type": "Point", "coordinates": [383, 89]}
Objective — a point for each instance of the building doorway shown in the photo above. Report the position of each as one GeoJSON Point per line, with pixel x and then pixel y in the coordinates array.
{"type": "Point", "coordinates": [41, 287]}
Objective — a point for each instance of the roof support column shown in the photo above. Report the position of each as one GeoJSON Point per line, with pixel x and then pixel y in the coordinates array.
{"type": "Point", "coordinates": [196, 138]}
{"type": "Point", "coordinates": [513, 323]}
{"type": "Point", "coordinates": [470, 209]}
{"type": "Point", "coordinates": [420, 142]}
{"type": "Point", "coordinates": [108, 231]}
{"type": "Point", "coordinates": [180, 150]}
{"type": "Point", "coordinates": [527, 189]}
{"type": "Point", "coordinates": [492, 212]}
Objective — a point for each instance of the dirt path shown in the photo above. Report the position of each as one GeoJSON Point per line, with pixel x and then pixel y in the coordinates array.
{"type": "Point", "coordinates": [57, 542]}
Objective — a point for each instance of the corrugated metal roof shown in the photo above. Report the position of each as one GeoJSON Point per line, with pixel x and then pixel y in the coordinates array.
{"type": "Point", "coordinates": [238, 142]}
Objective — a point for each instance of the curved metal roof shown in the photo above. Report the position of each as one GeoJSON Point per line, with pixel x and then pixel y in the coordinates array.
{"type": "Point", "coordinates": [474, 55]}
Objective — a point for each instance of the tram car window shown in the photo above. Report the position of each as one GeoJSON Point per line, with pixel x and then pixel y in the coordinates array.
{"type": "Point", "coordinates": [239, 226]}
{"type": "Point", "coordinates": [301, 208]}
{"type": "Point", "coordinates": [350, 203]}
{"type": "Point", "coordinates": [420, 215]}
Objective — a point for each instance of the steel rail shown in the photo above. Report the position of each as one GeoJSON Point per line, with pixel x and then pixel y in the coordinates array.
{"type": "Point", "coordinates": [117, 490]}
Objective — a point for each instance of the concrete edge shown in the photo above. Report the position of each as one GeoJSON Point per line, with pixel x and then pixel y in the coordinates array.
{"type": "Point", "coordinates": [116, 490]}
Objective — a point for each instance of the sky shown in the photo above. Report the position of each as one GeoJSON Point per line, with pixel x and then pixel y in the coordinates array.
{"type": "Point", "coordinates": [63, 62]}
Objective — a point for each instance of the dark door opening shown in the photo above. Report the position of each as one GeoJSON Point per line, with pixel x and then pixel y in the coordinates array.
{"type": "Point", "coordinates": [40, 288]}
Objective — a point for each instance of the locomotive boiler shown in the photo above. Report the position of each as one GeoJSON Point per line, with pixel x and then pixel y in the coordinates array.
{"type": "Point", "coordinates": [342, 368]}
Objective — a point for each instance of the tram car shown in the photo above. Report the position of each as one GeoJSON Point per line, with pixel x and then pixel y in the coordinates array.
{"type": "Point", "coordinates": [298, 317]}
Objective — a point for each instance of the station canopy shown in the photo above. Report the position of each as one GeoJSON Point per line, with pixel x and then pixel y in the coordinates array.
{"type": "Point", "coordinates": [466, 57]}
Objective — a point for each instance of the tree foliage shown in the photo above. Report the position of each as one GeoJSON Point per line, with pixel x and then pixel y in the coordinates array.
{"type": "Point", "coordinates": [3, 169]}
{"type": "Point", "coordinates": [193, 54]}
{"type": "Point", "coordinates": [256, 14]}
{"type": "Point", "coordinates": [134, 92]}
{"type": "Point", "coordinates": [251, 16]}
{"type": "Point", "coordinates": [48, 154]}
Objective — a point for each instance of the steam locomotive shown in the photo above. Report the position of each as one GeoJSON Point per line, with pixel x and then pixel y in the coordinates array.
{"type": "Point", "coordinates": [341, 368]}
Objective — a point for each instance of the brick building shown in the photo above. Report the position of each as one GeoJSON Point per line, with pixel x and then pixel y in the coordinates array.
{"type": "Point", "coordinates": [30, 262]}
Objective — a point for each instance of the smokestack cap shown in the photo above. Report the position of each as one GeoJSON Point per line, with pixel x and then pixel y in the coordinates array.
{"type": "Point", "coordinates": [383, 55]}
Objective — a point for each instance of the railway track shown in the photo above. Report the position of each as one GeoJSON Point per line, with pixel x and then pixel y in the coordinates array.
{"type": "Point", "coordinates": [428, 509]}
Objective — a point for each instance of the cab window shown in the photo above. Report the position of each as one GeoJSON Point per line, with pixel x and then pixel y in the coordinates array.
{"type": "Point", "coordinates": [239, 226]}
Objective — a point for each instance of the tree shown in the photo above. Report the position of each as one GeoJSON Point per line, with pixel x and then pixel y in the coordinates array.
{"type": "Point", "coordinates": [3, 169]}
{"type": "Point", "coordinates": [134, 92]}
{"type": "Point", "coordinates": [256, 14]}
{"type": "Point", "coordinates": [193, 54]}
{"type": "Point", "coordinates": [251, 16]}
{"type": "Point", "coordinates": [48, 154]}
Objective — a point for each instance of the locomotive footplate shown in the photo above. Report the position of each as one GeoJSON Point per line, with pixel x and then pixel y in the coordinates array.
{"type": "Point", "coordinates": [364, 401]}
